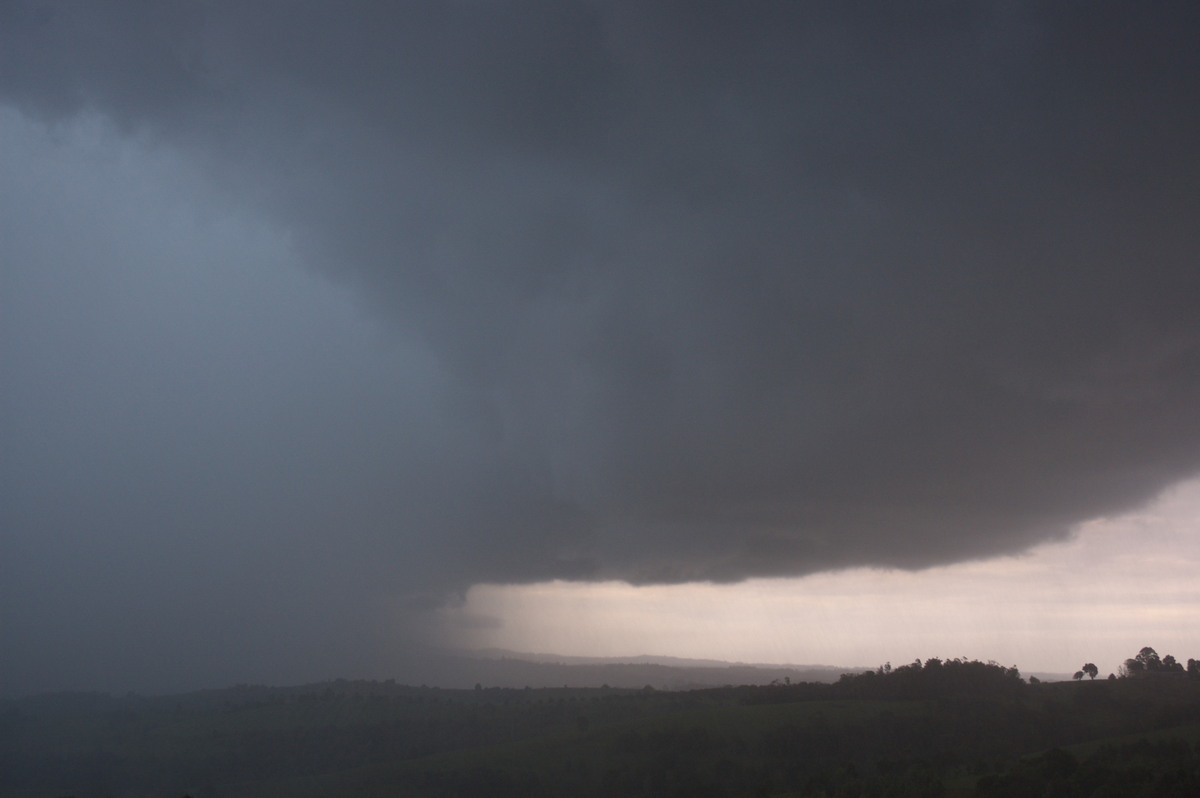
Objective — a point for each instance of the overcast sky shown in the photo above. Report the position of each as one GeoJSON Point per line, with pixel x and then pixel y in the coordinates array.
{"type": "Point", "coordinates": [316, 314]}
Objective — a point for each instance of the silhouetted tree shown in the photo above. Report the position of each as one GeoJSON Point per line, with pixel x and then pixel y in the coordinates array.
{"type": "Point", "coordinates": [1148, 657]}
{"type": "Point", "coordinates": [1091, 670]}
{"type": "Point", "coordinates": [1078, 676]}
{"type": "Point", "coordinates": [1144, 662]}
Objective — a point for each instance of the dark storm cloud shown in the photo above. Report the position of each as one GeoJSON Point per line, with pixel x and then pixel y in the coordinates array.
{"type": "Point", "coordinates": [671, 291]}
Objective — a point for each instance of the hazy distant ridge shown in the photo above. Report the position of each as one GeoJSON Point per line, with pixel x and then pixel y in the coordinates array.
{"type": "Point", "coordinates": [502, 668]}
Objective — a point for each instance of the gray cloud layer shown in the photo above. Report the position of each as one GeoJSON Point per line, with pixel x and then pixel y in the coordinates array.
{"type": "Point", "coordinates": [653, 291]}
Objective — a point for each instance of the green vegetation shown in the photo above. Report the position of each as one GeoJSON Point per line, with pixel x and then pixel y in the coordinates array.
{"type": "Point", "coordinates": [933, 728]}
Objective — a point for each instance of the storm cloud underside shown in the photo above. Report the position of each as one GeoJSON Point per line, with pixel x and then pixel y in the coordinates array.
{"type": "Point", "coordinates": [360, 304]}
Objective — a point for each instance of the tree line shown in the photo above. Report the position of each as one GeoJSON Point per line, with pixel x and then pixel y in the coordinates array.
{"type": "Point", "coordinates": [1147, 662]}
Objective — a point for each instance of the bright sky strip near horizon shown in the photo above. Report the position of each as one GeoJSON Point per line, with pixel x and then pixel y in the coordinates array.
{"type": "Point", "coordinates": [311, 320]}
{"type": "Point", "coordinates": [1119, 584]}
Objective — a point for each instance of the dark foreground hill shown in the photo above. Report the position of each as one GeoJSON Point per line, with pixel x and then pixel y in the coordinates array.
{"type": "Point", "coordinates": [938, 728]}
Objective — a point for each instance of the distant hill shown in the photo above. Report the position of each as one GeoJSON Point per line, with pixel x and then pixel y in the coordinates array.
{"type": "Point", "coordinates": [503, 668]}
{"type": "Point", "coordinates": [522, 668]}
{"type": "Point", "coordinates": [1050, 677]}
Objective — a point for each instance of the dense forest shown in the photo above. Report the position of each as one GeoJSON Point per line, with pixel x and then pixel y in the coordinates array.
{"type": "Point", "coordinates": [932, 728]}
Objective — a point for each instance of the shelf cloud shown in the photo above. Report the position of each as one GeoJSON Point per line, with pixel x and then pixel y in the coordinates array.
{"type": "Point", "coordinates": [309, 303]}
